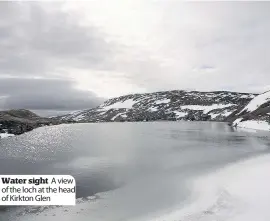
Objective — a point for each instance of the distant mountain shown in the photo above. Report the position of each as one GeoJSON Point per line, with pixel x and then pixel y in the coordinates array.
{"type": "Point", "coordinates": [15, 122]}
{"type": "Point", "coordinates": [166, 105]}
{"type": "Point", "coordinates": [255, 115]}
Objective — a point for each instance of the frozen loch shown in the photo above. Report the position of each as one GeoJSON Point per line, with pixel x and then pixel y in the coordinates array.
{"type": "Point", "coordinates": [173, 171]}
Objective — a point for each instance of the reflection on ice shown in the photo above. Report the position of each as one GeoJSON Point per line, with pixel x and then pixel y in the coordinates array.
{"type": "Point", "coordinates": [181, 171]}
{"type": "Point", "coordinates": [239, 192]}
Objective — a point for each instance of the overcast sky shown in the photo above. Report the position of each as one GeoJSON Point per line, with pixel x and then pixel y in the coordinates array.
{"type": "Point", "coordinates": [72, 55]}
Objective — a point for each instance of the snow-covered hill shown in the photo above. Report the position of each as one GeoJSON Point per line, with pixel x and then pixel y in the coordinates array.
{"type": "Point", "coordinates": [166, 105]}
{"type": "Point", "coordinates": [256, 115]}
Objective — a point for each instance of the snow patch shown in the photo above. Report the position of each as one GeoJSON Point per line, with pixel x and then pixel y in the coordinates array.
{"type": "Point", "coordinates": [113, 118]}
{"type": "Point", "coordinates": [206, 109]}
{"type": "Point", "coordinates": [257, 102]}
{"type": "Point", "coordinates": [5, 135]}
{"type": "Point", "coordinates": [180, 114]}
{"type": "Point", "coordinates": [256, 125]}
{"type": "Point", "coordinates": [237, 121]}
{"type": "Point", "coordinates": [213, 115]}
{"type": "Point", "coordinates": [125, 104]}
{"type": "Point", "coordinates": [227, 113]}
{"type": "Point", "coordinates": [165, 101]}
{"type": "Point", "coordinates": [153, 109]}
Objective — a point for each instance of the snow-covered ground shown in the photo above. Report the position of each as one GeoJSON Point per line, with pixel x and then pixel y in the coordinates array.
{"type": "Point", "coordinates": [249, 119]}
{"type": "Point", "coordinates": [253, 124]}
{"type": "Point", "coordinates": [125, 104]}
{"type": "Point", "coordinates": [237, 121]}
{"type": "Point", "coordinates": [180, 114]}
{"type": "Point", "coordinates": [257, 102]}
{"type": "Point", "coordinates": [225, 113]}
{"type": "Point", "coordinates": [120, 114]}
{"type": "Point", "coordinates": [238, 192]}
{"type": "Point", "coordinates": [206, 109]}
{"type": "Point", "coordinates": [164, 101]}
{"type": "Point", "coordinates": [5, 135]}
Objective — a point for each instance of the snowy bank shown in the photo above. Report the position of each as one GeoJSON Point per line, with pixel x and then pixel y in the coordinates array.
{"type": "Point", "coordinates": [255, 115]}
{"type": "Point", "coordinates": [5, 135]}
{"type": "Point", "coordinates": [239, 192]}
{"type": "Point", "coordinates": [256, 102]}
{"type": "Point", "coordinates": [256, 125]}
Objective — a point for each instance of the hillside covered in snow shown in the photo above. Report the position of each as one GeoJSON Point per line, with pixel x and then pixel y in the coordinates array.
{"type": "Point", "coordinates": [166, 105]}
{"type": "Point", "coordinates": [256, 115]}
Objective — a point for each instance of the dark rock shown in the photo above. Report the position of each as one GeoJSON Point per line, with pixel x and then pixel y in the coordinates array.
{"type": "Point", "coordinates": [21, 121]}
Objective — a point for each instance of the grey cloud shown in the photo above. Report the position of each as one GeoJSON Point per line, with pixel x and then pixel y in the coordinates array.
{"type": "Point", "coordinates": [44, 94]}
{"type": "Point", "coordinates": [170, 45]}
{"type": "Point", "coordinates": [232, 37]}
{"type": "Point", "coordinates": [37, 40]}
{"type": "Point", "coordinates": [207, 67]}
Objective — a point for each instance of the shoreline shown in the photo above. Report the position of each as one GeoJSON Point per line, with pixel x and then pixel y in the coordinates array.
{"type": "Point", "coordinates": [232, 125]}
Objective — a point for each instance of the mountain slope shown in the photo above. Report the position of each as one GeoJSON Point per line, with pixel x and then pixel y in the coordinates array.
{"type": "Point", "coordinates": [20, 121]}
{"type": "Point", "coordinates": [166, 105]}
{"type": "Point", "coordinates": [256, 115]}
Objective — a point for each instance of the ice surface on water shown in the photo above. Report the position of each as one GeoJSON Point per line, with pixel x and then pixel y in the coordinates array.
{"type": "Point", "coordinates": [187, 172]}
{"type": "Point", "coordinates": [239, 192]}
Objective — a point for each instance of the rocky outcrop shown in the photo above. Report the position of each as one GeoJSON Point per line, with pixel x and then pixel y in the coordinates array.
{"type": "Point", "coordinates": [255, 115]}
{"type": "Point", "coordinates": [166, 105]}
{"type": "Point", "coordinates": [20, 121]}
